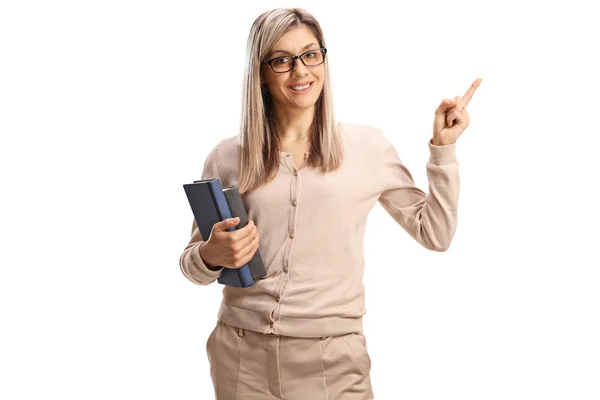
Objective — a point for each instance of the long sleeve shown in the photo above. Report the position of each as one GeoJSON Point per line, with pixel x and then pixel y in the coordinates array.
{"type": "Point", "coordinates": [190, 262]}
{"type": "Point", "coordinates": [431, 219]}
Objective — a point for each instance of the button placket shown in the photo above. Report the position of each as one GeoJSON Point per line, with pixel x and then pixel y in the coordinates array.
{"type": "Point", "coordinates": [294, 202]}
{"type": "Point", "coordinates": [292, 222]}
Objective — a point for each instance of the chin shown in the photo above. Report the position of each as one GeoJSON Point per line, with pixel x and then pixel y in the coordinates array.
{"type": "Point", "coordinates": [303, 104]}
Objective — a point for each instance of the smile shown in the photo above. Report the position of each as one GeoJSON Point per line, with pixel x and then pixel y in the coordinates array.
{"type": "Point", "coordinates": [301, 89]}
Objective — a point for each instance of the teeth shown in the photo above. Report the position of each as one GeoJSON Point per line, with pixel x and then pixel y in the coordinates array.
{"type": "Point", "coordinates": [301, 87]}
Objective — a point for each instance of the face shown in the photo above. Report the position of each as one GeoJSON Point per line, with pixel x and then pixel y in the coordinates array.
{"type": "Point", "coordinates": [279, 85]}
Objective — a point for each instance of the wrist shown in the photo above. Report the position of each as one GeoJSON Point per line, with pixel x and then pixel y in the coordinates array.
{"type": "Point", "coordinates": [205, 256]}
{"type": "Point", "coordinates": [438, 143]}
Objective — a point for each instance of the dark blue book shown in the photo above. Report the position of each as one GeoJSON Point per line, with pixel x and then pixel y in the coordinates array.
{"type": "Point", "coordinates": [209, 207]}
{"type": "Point", "coordinates": [238, 209]}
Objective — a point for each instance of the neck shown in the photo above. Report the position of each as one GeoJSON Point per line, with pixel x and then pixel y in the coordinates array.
{"type": "Point", "coordinates": [294, 124]}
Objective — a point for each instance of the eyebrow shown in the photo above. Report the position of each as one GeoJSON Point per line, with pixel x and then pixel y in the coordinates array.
{"type": "Point", "coordinates": [287, 52]}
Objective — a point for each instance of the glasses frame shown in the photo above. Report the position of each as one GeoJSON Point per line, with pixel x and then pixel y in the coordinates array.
{"type": "Point", "coordinates": [294, 58]}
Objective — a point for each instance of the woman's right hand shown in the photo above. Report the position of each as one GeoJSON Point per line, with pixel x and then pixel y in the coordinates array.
{"type": "Point", "coordinates": [230, 249]}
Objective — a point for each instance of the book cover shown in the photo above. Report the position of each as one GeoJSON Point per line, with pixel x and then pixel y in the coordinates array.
{"type": "Point", "coordinates": [209, 206]}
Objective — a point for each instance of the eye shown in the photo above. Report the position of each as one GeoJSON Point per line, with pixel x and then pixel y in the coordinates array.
{"type": "Point", "coordinates": [281, 60]}
{"type": "Point", "coordinates": [311, 54]}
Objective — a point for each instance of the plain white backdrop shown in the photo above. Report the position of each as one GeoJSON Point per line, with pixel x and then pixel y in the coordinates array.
{"type": "Point", "coordinates": [108, 108]}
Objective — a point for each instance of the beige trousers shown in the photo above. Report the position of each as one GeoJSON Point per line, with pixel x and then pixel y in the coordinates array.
{"type": "Point", "coordinates": [248, 365]}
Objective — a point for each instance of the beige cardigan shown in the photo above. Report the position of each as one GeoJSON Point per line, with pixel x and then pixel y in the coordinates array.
{"type": "Point", "coordinates": [311, 228]}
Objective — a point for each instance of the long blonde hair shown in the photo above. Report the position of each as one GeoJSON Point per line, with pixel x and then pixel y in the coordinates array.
{"type": "Point", "coordinates": [259, 156]}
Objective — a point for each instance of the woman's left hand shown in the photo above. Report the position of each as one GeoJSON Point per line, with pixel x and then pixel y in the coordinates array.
{"type": "Point", "coordinates": [451, 117]}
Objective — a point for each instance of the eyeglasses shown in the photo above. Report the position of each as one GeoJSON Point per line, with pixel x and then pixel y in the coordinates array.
{"type": "Point", "coordinates": [310, 58]}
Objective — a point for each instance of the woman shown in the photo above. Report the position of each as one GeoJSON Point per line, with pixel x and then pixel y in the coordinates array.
{"type": "Point", "coordinates": [308, 184]}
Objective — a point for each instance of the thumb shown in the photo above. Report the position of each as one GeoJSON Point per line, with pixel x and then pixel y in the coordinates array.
{"type": "Point", "coordinates": [228, 223]}
{"type": "Point", "coordinates": [445, 105]}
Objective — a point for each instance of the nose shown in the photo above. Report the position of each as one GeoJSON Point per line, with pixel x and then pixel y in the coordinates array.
{"type": "Point", "coordinates": [299, 68]}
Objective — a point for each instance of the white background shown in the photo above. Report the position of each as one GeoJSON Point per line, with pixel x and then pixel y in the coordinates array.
{"type": "Point", "coordinates": [108, 107]}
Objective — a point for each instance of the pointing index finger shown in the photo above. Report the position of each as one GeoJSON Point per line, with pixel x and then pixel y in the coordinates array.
{"type": "Point", "coordinates": [469, 93]}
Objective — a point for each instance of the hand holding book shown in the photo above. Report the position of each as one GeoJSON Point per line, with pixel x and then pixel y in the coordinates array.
{"type": "Point", "coordinates": [213, 204]}
{"type": "Point", "coordinates": [232, 249]}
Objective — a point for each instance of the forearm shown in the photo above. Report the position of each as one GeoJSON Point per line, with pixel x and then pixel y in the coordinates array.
{"type": "Point", "coordinates": [194, 267]}
{"type": "Point", "coordinates": [205, 255]}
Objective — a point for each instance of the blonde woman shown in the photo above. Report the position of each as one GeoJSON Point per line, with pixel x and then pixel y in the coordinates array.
{"type": "Point", "coordinates": [308, 183]}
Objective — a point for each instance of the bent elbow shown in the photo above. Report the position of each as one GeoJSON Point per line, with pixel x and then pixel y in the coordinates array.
{"type": "Point", "coordinates": [436, 244]}
{"type": "Point", "coordinates": [192, 264]}
{"type": "Point", "coordinates": [192, 271]}
{"type": "Point", "coordinates": [438, 240]}
{"type": "Point", "coordinates": [441, 249]}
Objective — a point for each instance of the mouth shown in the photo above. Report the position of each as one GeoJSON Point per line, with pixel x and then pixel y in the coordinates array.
{"type": "Point", "coordinates": [303, 86]}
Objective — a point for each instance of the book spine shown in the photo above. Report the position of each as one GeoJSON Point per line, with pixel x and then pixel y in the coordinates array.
{"type": "Point", "coordinates": [242, 276]}
{"type": "Point", "coordinates": [237, 208]}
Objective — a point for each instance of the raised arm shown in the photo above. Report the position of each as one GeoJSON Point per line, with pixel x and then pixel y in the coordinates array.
{"type": "Point", "coordinates": [430, 218]}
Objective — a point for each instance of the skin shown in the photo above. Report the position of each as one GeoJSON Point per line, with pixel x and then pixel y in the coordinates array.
{"type": "Point", "coordinates": [451, 117]}
{"type": "Point", "coordinates": [294, 113]}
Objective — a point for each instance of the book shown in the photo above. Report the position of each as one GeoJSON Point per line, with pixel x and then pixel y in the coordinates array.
{"type": "Point", "coordinates": [209, 207]}
{"type": "Point", "coordinates": [237, 208]}
{"type": "Point", "coordinates": [209, 203]}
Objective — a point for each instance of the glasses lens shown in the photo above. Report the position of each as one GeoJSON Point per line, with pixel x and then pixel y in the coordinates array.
{"type": "Point", "coordinates": [282, 64]}
{"type": "Point", "coordinates": [310, 58]}
{"type": "Point", "coordinates": [313, 57]}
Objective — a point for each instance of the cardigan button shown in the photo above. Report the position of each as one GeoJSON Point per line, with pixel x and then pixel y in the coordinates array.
{"type": "Point", "coordinates": [292, 235]}
{"type": "Point", "coordinates": [294, 203]}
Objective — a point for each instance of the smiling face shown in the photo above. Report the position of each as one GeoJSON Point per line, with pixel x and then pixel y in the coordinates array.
{"type": "Point", "coordinates": [279, 85]}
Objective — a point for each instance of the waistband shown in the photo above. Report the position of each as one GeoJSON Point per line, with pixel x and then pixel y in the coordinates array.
{"type": "Point", "coordinates": [285, 326]}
